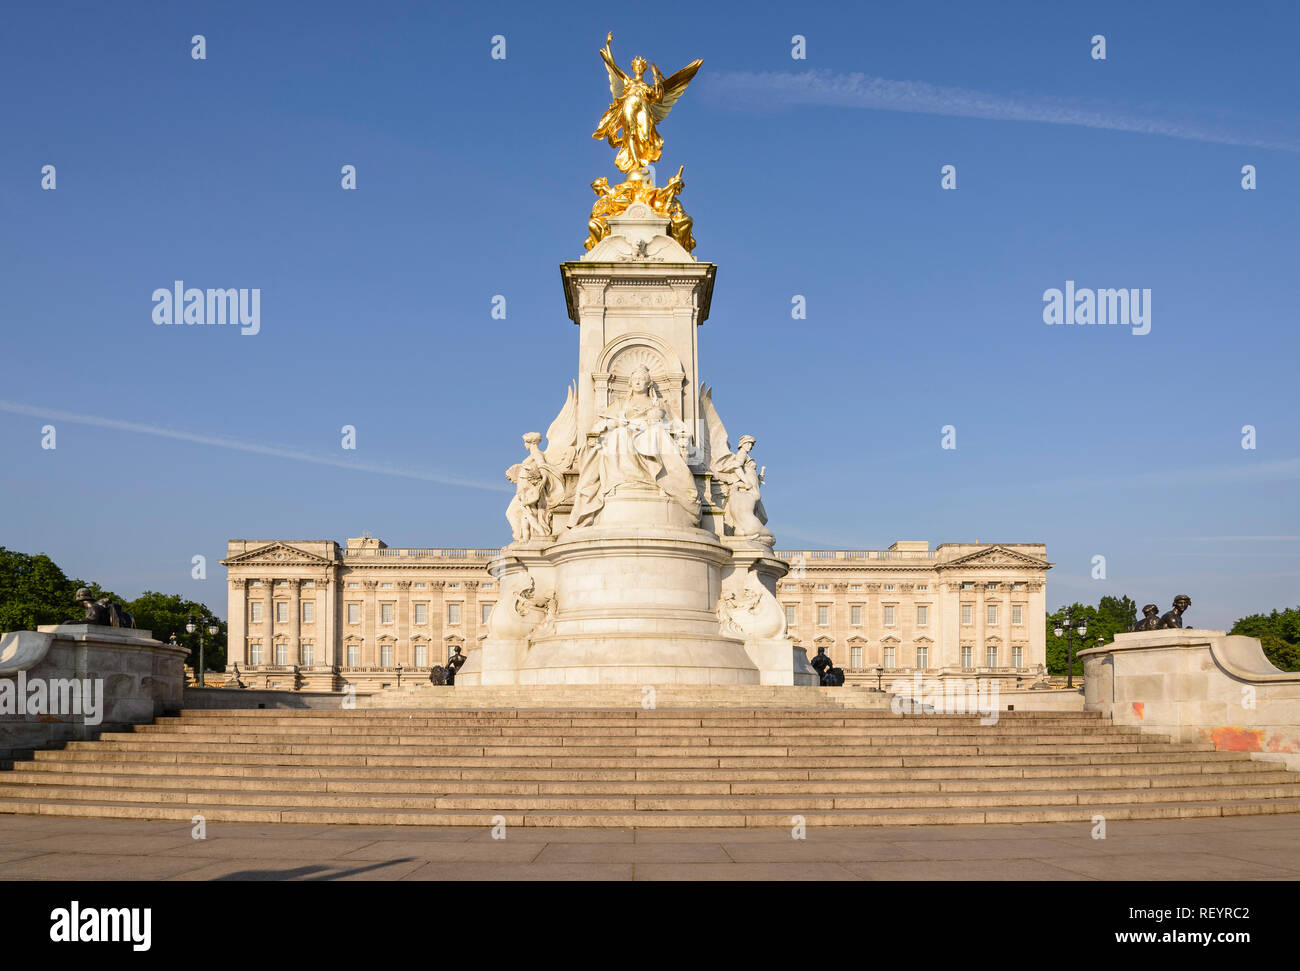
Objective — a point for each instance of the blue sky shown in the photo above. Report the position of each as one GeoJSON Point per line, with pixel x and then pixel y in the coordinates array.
{"type": "Point", "coordinates": [817, 177]}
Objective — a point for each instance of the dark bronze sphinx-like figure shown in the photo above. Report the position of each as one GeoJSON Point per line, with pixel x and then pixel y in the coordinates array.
{"type": "Point", "coordinates": [1173, 620]}
{"type": "Point", "coordinates": [446, 675]}
{"type": "Point", "coordinates": [103, 612]}
{"type": "Point", "coordinates": [831, 676]}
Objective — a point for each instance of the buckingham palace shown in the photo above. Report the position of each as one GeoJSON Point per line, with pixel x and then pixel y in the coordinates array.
{"type": "Point", "coordinates": [314, 615]}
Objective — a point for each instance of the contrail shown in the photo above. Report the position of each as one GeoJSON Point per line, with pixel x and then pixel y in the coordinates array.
{"type": "Point", "coordinates": [751, 90]}
{"type": "Point", "coordinates": [277, 451]}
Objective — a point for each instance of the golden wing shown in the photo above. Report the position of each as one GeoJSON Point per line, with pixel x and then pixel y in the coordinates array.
{"type": "Point", "coordinates": [673, 88]}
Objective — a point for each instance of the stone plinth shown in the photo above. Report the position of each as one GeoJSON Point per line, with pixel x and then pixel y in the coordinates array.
{"type": "Point", "coordinates": [122, 677]}
{"type": "Point", "coordinates": [1197, 685]}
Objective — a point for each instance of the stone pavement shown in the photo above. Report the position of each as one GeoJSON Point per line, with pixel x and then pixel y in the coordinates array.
{"type": "Point", "coordinates": [1229, 848]}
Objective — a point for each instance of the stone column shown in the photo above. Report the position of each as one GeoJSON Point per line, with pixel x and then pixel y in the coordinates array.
{"type": "Point", "coordinates": [237, 624]}
{"type": "Point", "coordinates": [370, 645]}
{"type": "Point", "coordinates": [268, 616]}
{"type": "Point", "coordinates": [1036, 622]}
{"type": "Point", "coordinates": [295, 620]}
{"type": "Point", "coordinates": [327, 625]}
{"type": "Point", "coordinates": [437, 622]}
{"type": "Point", "coordinates": [471, 614]}
{"type": "Point", "coordinates": [403, 654]}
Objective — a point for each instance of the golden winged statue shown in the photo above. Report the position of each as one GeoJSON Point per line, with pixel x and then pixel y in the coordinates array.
{"type": "Point", "coordinates": [629, 124]}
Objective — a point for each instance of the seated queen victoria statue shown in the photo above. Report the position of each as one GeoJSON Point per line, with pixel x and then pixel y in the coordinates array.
{"type": "Point", "coordinates": [636, 446]}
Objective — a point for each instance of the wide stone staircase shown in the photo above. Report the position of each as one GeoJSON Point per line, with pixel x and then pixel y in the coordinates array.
{"type": "Point", "coordinates": [637, 767]}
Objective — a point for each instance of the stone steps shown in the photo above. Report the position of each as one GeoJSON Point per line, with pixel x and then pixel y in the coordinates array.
{"type": "Point", "coordinates": [632, 767]}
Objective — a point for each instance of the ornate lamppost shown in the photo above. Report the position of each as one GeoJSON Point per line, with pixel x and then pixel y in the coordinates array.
{"type": "Point", "coordinates": [190, 628]}
{"type": "Point", "coordinates": [1068, 629]}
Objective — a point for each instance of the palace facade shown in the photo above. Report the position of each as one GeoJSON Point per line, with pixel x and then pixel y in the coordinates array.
{"type": "Point", "coordinates": [314, 615]}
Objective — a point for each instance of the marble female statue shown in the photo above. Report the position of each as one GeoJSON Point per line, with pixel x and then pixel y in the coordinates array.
{"type": "Point", "coordinates": [635, 447]}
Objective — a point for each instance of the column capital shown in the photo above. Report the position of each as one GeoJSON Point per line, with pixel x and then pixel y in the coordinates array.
{"type": "Point", "coordinates": [238, 583]}
{"type": "Point", "coordinates": [370, 584]}
{"type": "Point", "coordinates": [403, 584]}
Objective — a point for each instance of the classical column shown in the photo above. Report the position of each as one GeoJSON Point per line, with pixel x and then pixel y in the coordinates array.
{"type": "Point", "coordinates": [402, 655]}
{"type": "Point", "coordinates": [471, 614]}
{"type": "Point", "coordinates": [295, 620]}
{"type": "Point", "coordinates": [237, 624]}
{"type": "Point", "coordinates": [268, 617]}
{"type": "Point", "coordinates": [370, 646]}
{"type": "Point", "coordinates": [437, 622]}
{"type": "Point", "coordinates": [327, 624]}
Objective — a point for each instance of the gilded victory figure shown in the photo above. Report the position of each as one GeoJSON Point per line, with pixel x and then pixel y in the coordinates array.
{"type": "Point", "coordinates": [630, 125]}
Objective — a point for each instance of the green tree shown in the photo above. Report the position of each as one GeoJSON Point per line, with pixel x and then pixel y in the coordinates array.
{"type": "Point", "coordinates": [33, 591]}
{"type": "Point", "coordinates": [1278, 633]}
{"type": "Point", "coordinates": [167, 614]}
{"type": "Point", "coordinates": [1111, 616]}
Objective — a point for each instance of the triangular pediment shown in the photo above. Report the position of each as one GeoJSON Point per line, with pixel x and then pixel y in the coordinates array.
{"type": "Point", "coordinates": [997, 556]}
{"type": "Point", "coordinates": [277, 554]}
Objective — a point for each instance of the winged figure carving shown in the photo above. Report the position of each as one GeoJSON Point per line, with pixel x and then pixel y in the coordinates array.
{"type": "Point", "coordinates": [630, 124]}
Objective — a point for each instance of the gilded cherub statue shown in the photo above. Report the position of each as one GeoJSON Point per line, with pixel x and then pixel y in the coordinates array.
{"type": "Point", "coordinates": [630, 122]}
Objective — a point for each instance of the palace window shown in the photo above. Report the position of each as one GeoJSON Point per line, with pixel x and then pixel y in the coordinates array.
{"type": "Point", "coordinates": [453, 613]}
{"type": "Point", "coordinates": [419, 586]}
{"type": "Point", "coordinates": [485, 611]}
{"type": "Point", "coordinates": [922, 615]}
{"type": "Point", "coordinates": [421, 613]}
{"type": "Point", "coordinates": [255, 652]}
{"type": "Point", "coordinates": [354, 613]}
{"type": "Point", "coordinates": [354, 656]}
{"type": "Point", "coordinates": [386, 655]}
{"type": "Point", "coordinates": [309, 611]}
{"type": "Point", "coordinates": [354, 586]}
{"type": "Point", "coordinates": [255, 612]}
{"type": "Point", "coordinates": [385, 586]}
{"type": "Point", "coordinates": [855, 658]}
{"type": "Point", "coordinates": [790, 612]}
{"type": "Point", "coordinates": [889, 657]}
{"type": "Point", "coordinates": [486, 586]}
{"type": "Point", "coordinates": [1017, 656]}
{"type": "Point", "coordinates": [968, 586]}
{"type": "Point", "coordinates": [855, 615]}
{"type": "Point", "coordinates": [922, 657]}
{"type": "Point", "coordinates": [923, 586]}
{"type": "Point", "coordinates": [889, 586]}
{"type": "Point", "coordinates": [991, 655]}
{"type": "Point", "coordinates": [822, 586]}
{"type": "Point", "coordinates": [967, 614]}
{"type": "Point", "coordinates": [306, 654]}
{"type": "Point", "coordinates": [823, 615]}
{"type": "Point", "coordinates": [1017, 586]}
{"type": "Point", "coordinates": [451, 649]}
{"type": "Point", "coordinates": [967, 656]}
{"type": "Point", "coordinates": [1017, 614]}
{"type": "Point", "coordinates": [889, 615]}
{"type": "Point", "coordinates": [855, 586]}
{"type": "Point", "coordinates": [453, 586]}
{"type": "Point", "coordinates": [992, 614]}
{"type": "Point", "coordinates": [282, 653]}
{"type": "Point", "coordinates": [282, 612]}
{"type": "Point", "coordinates": [386, 613]}
{"type": "Point", "coordinates": [990, 586]}
{"type": "Point", "coordinates": [421, 655]}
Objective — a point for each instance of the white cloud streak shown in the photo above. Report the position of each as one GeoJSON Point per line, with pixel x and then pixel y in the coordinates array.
{"type": "Point", "coordinates": [754, 90]}
{"type": "Point", "coordinates": [276, 451]}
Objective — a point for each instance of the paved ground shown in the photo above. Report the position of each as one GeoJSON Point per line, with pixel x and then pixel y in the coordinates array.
{"type": "Point", "coordinates": [1238, 848]}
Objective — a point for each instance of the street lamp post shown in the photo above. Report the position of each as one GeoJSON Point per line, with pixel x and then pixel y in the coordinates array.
{"type": "Point", "coordinates": [190, 628]}
{"type": "Point", "coordinates": [1068, 629]}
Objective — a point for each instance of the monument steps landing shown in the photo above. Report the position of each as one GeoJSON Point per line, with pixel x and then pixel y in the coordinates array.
{"type": "Point", "coordinates": [732, 767]}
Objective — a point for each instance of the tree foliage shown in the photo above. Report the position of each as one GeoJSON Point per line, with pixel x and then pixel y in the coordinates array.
{"type": "Point", "coordinates": [1278, 633]}
{"type": "Point", "coordinates": [34, 591]}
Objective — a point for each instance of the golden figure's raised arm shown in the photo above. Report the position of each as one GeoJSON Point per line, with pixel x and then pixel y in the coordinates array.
{"type": "Point", "coordinates": [617, 79]}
